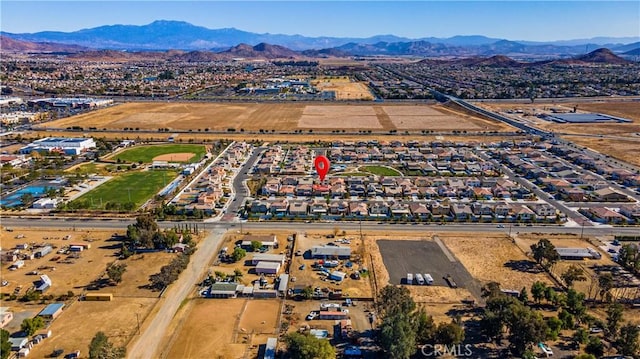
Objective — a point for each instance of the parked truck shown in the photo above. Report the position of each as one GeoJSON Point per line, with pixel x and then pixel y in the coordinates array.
{"type": "Point", "coordinates": [428, 279]}
{"type": "Point", "coordinates": [409, 278]}
{"type": "Point", "coordinates": [419, 279]}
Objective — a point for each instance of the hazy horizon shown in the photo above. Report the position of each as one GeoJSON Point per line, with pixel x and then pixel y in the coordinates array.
{"type": "Point", "coordinates": [512, 20]}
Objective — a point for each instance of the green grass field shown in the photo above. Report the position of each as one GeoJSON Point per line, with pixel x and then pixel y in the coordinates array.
{"type": "Point", "coordinates": [136, 187]}
{"type": "Point", "coordinates": [146, 154]}
{"type": "Point", "coordinates": [380, 170]}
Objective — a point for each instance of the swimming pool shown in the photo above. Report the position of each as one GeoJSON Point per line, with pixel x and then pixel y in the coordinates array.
{"type": "Point", "coordinates": [13, 200]}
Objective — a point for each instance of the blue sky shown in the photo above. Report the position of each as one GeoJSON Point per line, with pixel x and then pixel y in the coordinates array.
{"type": "Point", "coordinates": [513, 20]}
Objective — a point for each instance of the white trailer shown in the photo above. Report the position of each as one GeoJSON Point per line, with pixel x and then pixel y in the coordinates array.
{"type": "Point", "coordinates": [409, 278]}
{"type": "Point", "coordinates": [419, 279]}
{"type": "Point", "coordinates": [428, 279]}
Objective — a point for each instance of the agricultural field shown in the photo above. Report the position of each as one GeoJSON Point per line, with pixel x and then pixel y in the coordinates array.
{"type": "Point", "coordinates": [170, 153]}
{"type": "Point", "coordinates": [339, 117]}
{"type": "Point", "coordinates": [132, 187]}
{"type": "Point", "coordinates": [201, 118]}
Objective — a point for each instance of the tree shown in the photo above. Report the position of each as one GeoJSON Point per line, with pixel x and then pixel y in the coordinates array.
{"type": "Point", "coordinates": [492, 325]}
{"type": "Point", "coordinates": [545, 254]}
{"type": "Point", "coordinates": [101, 348]}
{"type": "Point", "coordinates": [238, 254]}
{"type": "Point", "coordinates": [580, 336]}
{"type": "Point", "coordinates": [575, 303]}
{"type": "Point", "coordinates": [554, 326]}
{"type": "Point", "coordinates": [115, 272]}
{"type": "Point", "coordinates": [31, 325]}
{"type": "Point", "coordinates": [605, 281]}
{"type": "Point", "coordinates": [584, 356]}
{"type": "Point", "coordinates": [27, 199]}
{"type": "Point", "coordinates": [307, 292]}
{"type": "Point", "coordinates": [256, 245]}
{"type": "Point", "coordinates": [491, 290]}
{"type": "Point", "coordinates": [568, 321]}
{"type": "Point", "coordinates": [526, 327]}
{"type": "Point", "coordinates": [426, 328]}
{"type": "Point", "coordinates": [595, 347]}
{"type": "Point", "coordinates": [301, 346]}
{"type": "Point", "coordinates": [537, 291]}
{"type": "Point", "coordinates": [5, 344]}
{"type": "Point", "coordinates": [627, 342]}
{"type": "Point", "coordinates": [573, 274]}
{"type": "Point", "coordinates": [614, 316]}
{"type": "Point", "coordinates": [237, 274]}
{"type": "Point", "coordinates": [449, 334]}
{"type": "Point", "coordinates": [524, 296]}
{"type": "Point", "coordinates": [398, 329]}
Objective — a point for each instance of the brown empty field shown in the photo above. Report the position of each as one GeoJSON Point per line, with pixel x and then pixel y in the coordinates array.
{"type": "Point", "coordinates": [76, 326]}
{"type": "Point", "coordinates": [260, 317]}
{"type": "Point", "coordinates": [344, 88]}
{"type": "Point", "coordinates": [66, 273]}
{"type": "Point", "coordinates": [339, 116]}
{"type": "Point", "coordinates": [177, 157]}
{"type": "Point", "coordinates": [625, 137]}
{"type": "Point", "coordinates": [427, 117]}
{"type": "Point", "coordinates": [204, 117]}
{"type": "Point", "coordinates": [622, 149]}
{"type": "Point", "coordinates": [209, 330]}
{"type": "Point", "coordinates": [185, 116]}
{"type": "Point", "coordinates": [498, 261]}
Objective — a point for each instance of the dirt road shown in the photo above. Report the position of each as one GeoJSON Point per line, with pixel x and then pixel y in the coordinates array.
{"type": "Point", "coordinates": [149, 342]}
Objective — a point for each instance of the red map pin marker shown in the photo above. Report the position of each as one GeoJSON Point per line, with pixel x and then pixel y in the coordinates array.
{"type": "Point", "coordinates": [322, 166]}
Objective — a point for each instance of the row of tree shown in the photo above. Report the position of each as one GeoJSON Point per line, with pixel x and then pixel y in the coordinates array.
{"type": "Point", "coordinates": [404, 326]}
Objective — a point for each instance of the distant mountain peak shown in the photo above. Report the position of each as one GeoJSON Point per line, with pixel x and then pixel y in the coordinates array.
{"type": "Point", "coordinates": [602, 56]}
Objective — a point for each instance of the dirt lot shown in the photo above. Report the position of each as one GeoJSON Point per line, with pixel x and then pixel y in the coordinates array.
{"type": "Point", "coordinates": [427, 117]}
{"type": "Point", "coordinates": [344, 88]}
{"type": "Point", "coordinates": [339, 116]}
{"type": "Point", "coordinates": [590, 266]}
{"type": "Point", "coordinates": [76, 326]}
{"type": "Point", "coordinates": [79, 322]}
{"type": "Point", "coordinates": [625, 150]}
{"type": "Point", "coordinates": [185, 116]}
{"type": "Point", "coordinates": [500, 260]}
{"type": "Point", "coordinates": [70, 276]}
{"type": "Point", "coordinates": [359, 288]}
{"type": "Point", "coordinates": [211, 329]}
{"type": "Point", "coordinates": [177, 157]}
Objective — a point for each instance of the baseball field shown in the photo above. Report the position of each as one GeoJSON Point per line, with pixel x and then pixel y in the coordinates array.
{"type": "Point", "coordinates": [170, 153]}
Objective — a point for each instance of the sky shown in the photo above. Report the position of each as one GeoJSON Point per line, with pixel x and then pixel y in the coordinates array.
{"type": "Point", "coordinates": [513, 20]}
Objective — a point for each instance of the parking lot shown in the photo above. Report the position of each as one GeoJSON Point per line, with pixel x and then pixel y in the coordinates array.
{"type": "Point", "coordinates": [402, 257]}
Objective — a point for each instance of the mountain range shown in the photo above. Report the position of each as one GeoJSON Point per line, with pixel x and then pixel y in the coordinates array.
{"type": "Point", "coordinates": [167, 35]}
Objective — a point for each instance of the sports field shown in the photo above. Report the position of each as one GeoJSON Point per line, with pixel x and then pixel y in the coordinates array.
{"type": "Point", "coordinates": [170, 153]}
{"type": "Point", "coordinates": [136, 187]}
